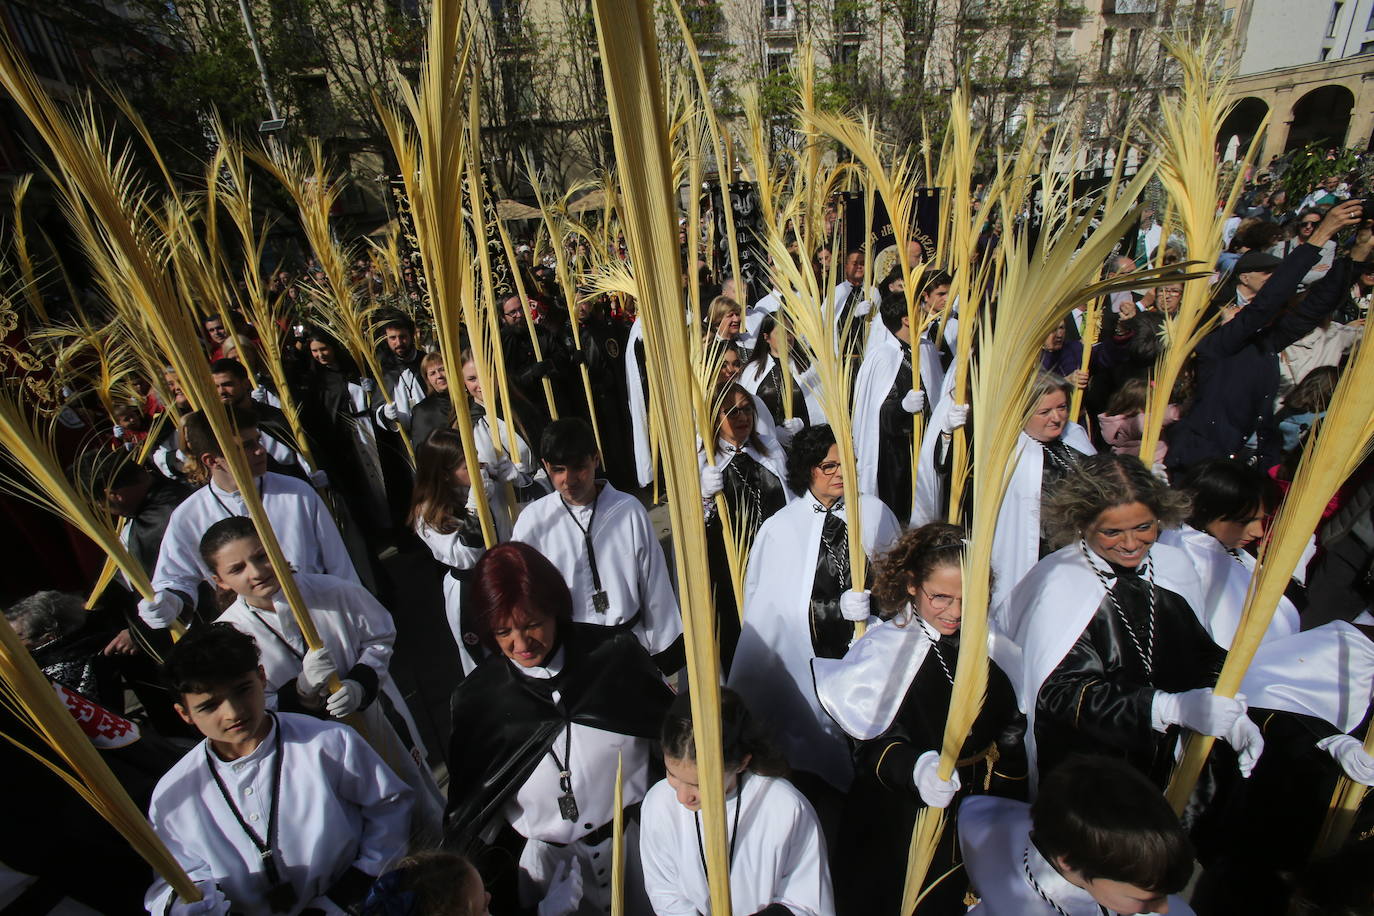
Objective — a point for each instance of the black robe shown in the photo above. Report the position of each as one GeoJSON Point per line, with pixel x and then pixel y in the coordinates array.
{"type": "Point", "coordinates": [755, 491]}
{"type": "Point", "coordinates": [504, 722]}
{"type": "Point", "coordinates": [770, 392]}
{"type": "Point", "coordinates": [434, 412]}
{"type": "Point", "coordinates": [895, 429]}
{"type": "Point", "coordinates": [884, 801]}
{"type": "Point", "coordinates": [1098, 699]}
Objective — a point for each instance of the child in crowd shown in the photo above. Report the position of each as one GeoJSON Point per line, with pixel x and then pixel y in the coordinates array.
{"type": "Point", "coordinates": [1099, 838]}
{"type": "Point", "coordinates": [272, 812]}
{"type": "Point", "coordinates": [358, 635]}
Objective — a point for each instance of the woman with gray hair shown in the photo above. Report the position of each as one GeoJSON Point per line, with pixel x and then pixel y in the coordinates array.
{"type": "Point", "coordinates": [1049, 447]}
{"type": "Point", "coordinates": [68, 645]}
{"type": "Point", "coordinates": [1114, 658]}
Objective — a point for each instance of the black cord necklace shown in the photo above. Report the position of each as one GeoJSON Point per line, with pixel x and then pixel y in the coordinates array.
{"type": "Point", "coordinates": [734, 830]}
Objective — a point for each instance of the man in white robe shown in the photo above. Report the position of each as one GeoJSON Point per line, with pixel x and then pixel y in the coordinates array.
{"type": "Point", "coordinates": [602, 542]}
{"type": "Point", "coordinates": [269, 808]}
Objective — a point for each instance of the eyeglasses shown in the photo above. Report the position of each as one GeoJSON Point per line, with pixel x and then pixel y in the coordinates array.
{"type": "Point", "coordinates": [1309, 223]}
{"type": "Point", "coordinates": [829, 468]}
{"type": "Point", "coordinates": [743, 410]}
{"type": "Point", "coordinates": [941, 602]}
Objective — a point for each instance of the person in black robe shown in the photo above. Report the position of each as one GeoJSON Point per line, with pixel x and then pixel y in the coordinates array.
{"type": "Point", "coordinates": [602, 350]}
{"type": "Point", "coordinates": [770, 388]}
{"type": "Point", "coordinates": [549, 684]}
{"type": "Point", "coordinates": [751, 480]}
{"type": "Point", "coordinates": [524, 368]}
{"type": "Point", "coordinates": [918, 587]}
{"type": "Point", "coordinates": [895, 422]}
{"type": "Point", "coordinates": [436, 410]}
{"type": "Point", "coordinates": [236, 389]}
{"type": "Point", "coordinates": [397, 351]}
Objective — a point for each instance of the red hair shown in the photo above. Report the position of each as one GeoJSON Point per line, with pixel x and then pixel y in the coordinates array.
{"type": "Point", "coordinates": [514, 577]}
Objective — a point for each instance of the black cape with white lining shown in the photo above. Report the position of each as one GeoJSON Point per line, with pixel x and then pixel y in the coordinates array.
{"type": "Point", "coordinates": [504, 722]}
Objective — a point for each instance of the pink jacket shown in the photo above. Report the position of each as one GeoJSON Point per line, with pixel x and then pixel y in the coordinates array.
{"type": "Point", "coordinates": [1123, 433]}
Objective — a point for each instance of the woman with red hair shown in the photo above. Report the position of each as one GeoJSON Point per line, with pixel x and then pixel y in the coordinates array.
{"type": "Point", "coordinates": [539, 728]}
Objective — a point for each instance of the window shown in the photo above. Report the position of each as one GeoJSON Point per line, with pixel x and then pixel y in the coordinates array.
{"type": "Point", "coordinates": [777, 14]}
{"type": "Point", "coordinates": [778, 61]}
{"type": "Point", "coordinates": [1335, 17]}
{"type": "Point", "coordinates": [1367, 48]}
{"type": "Point", "coordinates": [1104, 62]}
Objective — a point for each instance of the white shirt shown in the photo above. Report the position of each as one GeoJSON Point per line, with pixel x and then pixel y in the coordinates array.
{"type": "Point", "coordinates": [308, 536]}
{"type": "Point", "coordinates": [591, 756]}
{"type": "Point", "coordinates": [629, 560]}
{"type": "Point", "coordinates": [340, 806]}
{"type": "Point", "coordinates": [778, 853]}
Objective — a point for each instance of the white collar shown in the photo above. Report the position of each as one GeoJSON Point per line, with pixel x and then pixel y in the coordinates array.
{"type": "Point", "coordinates": [220, 491]}
{"type": "Point", "coordinates": [1073, 900]}
{"type": "Point", "coordinates": [543, 672]}
{"type": "Point", "coordinates": [819, 508]}
{"type": "Point", "coordinates": [261, 752]}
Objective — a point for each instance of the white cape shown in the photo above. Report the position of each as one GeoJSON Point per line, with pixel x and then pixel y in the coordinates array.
{"type": "Point", "coordinates": [772, 667]}
{"type": "Point", "coordinates": [880, 367]}
{"type": "Point", "coordinates": [1326, 672]}
{"type": "Point", "coordinates": [1225, 581]}
{"type": "Point", "coordinates": [1016, 544]}
{"type": "Point", "coordinates": [864, 690]}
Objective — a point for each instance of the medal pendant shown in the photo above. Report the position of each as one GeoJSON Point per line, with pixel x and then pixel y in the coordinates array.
{"type": "Point", "coordinates": [601, 603]}
{"type": "Point", "coordinates": [567, 806]}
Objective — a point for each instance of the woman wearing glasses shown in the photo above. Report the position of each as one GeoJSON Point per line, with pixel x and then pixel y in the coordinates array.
{"type": "Point", "coordinates": [891, 694]}
{"type": "Point", "coordinates": [797, 607]}
{"type": "Point", "coordinates": [749, 469]}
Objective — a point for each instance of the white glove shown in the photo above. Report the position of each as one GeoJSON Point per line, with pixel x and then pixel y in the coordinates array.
{"type": "Point", "coordinates": [712, 481]}
{"type": "Point", "coordinates": [367, 385]}
{"type": "Point", "coordinates": [1160, 471]}
{"type": "Point", "coordinates": [1200, 710]}
{"type": "Point", "coordinates": [502, 469]}
{"type": "Point", "coordinates": [117, 431]}
{"type": "Point", "coordinates": [212, 900]}
{"type": "Point", "coordinates": [854, 605]}
{"type": "Point", "coordinates": [1245, 737]}
{"type": "Point", "coordinates": [565, 890]}
{"type": "Point", "coordinates": [863, 306]}
{"type": "Point", "coordinates": [935, 792]}
{"type": "Point", "coordinates": [487, 488]}
{"type": "Point", "coordinates": [316, 668]}
{"type": "Point", "coordinates": [914, 401]}
{"type": "Point", "coordinates": [319, 480]}
{"type": "Point", "coordinates": [259, 394]}
{"type": "Point", "coordinates": [1349, 753]}
{"type": "Point", "coordinates": [955, 418]}
{"type": "Point", "coordinates": [391, 411]}
{"type": "Point", "coordinates": [161, 610]}
{"type": "Point", "coordinates": [346, 700]}
{"type": "Point", "coordinates": [793, 426]}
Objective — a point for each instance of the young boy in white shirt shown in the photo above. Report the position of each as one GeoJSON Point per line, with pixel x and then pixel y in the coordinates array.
{"type": "Point", "coordinates": [272, 812]}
